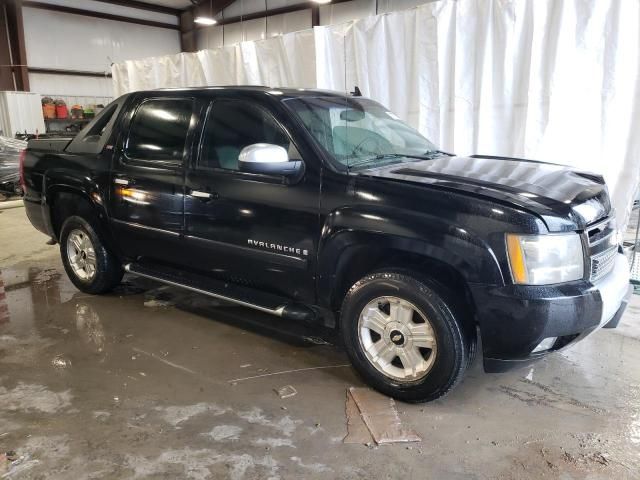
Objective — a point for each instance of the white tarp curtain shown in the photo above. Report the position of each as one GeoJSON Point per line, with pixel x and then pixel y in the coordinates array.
{"type": "Point", "coordinates": [553, 80]}
{"type": "Point", "coordinates": [286, 61]}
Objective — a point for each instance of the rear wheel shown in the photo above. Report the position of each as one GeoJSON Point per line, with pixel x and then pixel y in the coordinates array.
{"type": "Point", "coordinates": [89, 264]}
{"type": "Point", "coordinates": [403, 337]}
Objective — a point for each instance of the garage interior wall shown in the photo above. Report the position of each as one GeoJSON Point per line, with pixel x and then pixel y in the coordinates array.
{"type": "Point", "coordinates": [551, 80]}
{"type": "Point", "coordinates": [259, 29]}
{"type": "Point", "coordinates": [64, 41]}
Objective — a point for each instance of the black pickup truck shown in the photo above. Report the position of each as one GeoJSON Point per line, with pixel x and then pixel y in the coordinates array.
{"type": "Point", "coordinates": [320, 207]}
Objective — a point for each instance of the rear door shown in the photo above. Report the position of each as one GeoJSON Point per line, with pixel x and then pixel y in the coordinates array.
{"type": "Point", "coordinates": [147, 178]}
{"type": "Point", "coordinates": [259, 230]}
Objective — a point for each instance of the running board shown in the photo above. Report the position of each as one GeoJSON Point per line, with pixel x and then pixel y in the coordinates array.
{"type": "Point", "coordinates": [229, 292]}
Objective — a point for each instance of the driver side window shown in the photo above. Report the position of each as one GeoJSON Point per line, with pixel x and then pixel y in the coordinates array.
{"type": "Point", "coordinates": [232, 125]}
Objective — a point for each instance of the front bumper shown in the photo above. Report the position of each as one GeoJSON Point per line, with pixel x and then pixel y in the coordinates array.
{"type": "Point", "coordinates": [514, 319]}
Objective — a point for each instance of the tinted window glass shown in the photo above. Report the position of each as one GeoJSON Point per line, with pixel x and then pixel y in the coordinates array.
{"type": "Point", "coordinates": [358, 131]}
{"type": "Point", "coordinates": [159, 130]}
{"type": "Point", "coordinates": [233, 125]}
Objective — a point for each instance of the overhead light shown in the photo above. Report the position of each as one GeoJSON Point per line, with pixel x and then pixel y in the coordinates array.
{"type": "Point", "coordinates": [205, 21]}
{"type": "Point", "coordinates": [321, 1]}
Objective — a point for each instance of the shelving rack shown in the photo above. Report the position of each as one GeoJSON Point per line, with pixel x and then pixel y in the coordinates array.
{"type": "Point", "coordinates": [62, 124]}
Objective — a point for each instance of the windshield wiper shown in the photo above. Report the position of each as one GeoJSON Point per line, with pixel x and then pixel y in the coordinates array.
{"type": "Point", "coordinates": [384, 156]}
{"type": "Point", "coordinates": [430, 155]}
{"type": "Point", "coordinates": [437, 153]}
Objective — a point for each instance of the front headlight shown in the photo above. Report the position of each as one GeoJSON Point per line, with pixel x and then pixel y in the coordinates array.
{"type": "Point", "coordinates": [545, 259]}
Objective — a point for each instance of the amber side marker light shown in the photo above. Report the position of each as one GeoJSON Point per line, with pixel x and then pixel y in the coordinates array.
{"type": "Point", "coordinates": [516, 259]}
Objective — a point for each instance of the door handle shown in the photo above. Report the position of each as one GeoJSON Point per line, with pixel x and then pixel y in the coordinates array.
{"type": "Point", "coordinates": [204, 195]}
{"type": "Point", "coordinates": [121, 181]}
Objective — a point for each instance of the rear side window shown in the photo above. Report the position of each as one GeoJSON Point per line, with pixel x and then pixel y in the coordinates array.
{"type": "Point", "coordinates": [158, 130]}
{"type": "Point", "coordinates": [92, 139]}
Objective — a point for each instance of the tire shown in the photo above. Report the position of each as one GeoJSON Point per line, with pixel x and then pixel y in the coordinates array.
{"type": "Point", "coordinates": [107, 271]}
{"type": "Point", "coordinates": [431, 326]}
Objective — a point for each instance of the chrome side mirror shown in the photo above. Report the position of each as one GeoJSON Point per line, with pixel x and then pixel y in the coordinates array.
{"type": "Point", "coordinates": [268, 159]}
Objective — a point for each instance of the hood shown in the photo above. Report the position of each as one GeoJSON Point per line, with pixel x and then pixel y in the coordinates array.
{"type": "Point", "coordinates": [563, 197]}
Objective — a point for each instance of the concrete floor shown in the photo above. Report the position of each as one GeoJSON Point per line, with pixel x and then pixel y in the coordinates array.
{"type": "Point", "coordinates": [106, 387]}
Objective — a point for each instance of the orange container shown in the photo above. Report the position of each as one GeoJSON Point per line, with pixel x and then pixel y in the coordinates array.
{"type": "Point", "coordinates": [49, 110]}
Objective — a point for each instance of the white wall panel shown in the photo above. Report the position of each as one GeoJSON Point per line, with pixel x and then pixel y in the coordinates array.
{"type": "Point", "coordinates": [385, 6]}
{"type": "Point", "coordinates": [210, 37]}
{"type": "Point", "coordinates": [117, 10]}
{"type": "Point", "coordinates": [329, 14]}
{"type": "Point", "coordinates": [62, 85]}
{"type": "Point", "coordinates": [76, 42]}
{"type": "Point", "coordinates": [232, 33]}
{"type": "Point", "coordinates": [254, 29]}
{"type": "Point", "coordinates": [244, 31]}
{"type": "Point", "coordinates": [288, 22]}
{"type": "Point", "coordinates": [344, 12]}
{"type": "Point", "coordinates": [244, 7]}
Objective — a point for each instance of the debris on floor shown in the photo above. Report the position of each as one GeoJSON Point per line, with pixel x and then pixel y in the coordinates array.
{"type": "Point", "coordinates": [12, 464]}
{"type": "Point", "coordinates": [158, 303]}
{"type": "Point", "coordinates": [161, 297]}
{"type": "Point", "coordinates": [4, 463]}
{"type": "Point", "coordinates": [371, 415]}
{"type": "Point", "coordinates": [61, 361]}
{"type": "Point", "coordinates": [45, 276]}
{"type": "Point", "coordinates": [357, 431]}
{"type": "Point", "coordinates": [286, 392]}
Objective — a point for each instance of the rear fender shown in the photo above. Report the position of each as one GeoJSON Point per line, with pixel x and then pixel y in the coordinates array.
{"type": "Point", "coordinates": [66, 187]}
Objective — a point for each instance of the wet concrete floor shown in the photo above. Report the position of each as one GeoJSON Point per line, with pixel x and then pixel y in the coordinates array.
{"type": "Point", "coordinates": [156, 383]}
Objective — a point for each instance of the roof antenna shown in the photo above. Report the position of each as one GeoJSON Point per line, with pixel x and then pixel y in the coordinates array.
{"type": "Point", "coordinates": [356, 92]}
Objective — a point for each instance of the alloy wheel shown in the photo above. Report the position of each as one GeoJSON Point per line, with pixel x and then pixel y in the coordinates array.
{"type": "Point", "coordinates": [397, 338]}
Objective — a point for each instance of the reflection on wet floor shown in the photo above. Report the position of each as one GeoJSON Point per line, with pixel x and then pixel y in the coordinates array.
{"type": "Point", "coordinates": [169, 384]}
{"type": "Point", "coordinates": [89, 326]}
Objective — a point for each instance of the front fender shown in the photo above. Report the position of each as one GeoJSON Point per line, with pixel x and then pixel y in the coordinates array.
{"type": "Point", "coordinates": [432, 238]}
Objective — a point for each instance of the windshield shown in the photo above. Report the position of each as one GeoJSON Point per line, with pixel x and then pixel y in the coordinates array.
{"type": "Point", "coordinates": [359, 132]}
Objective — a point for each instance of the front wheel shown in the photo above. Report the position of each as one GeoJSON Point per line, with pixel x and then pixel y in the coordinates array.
{"type": "Point", "coordinates": [403, 337]}
{"type": "Point", "coordinates": [89, 264]}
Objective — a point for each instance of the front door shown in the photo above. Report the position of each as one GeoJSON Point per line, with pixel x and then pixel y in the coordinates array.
{"type": "Point", "coordinates": [258, 230]}
{"type": "Point", "coordinates": [147, 179]}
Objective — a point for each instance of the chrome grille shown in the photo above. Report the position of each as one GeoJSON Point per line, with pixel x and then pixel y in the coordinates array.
{"type": "Point", "coordinates": [602, 263]}
{"type": "Point", "coordinates": [602, 247]}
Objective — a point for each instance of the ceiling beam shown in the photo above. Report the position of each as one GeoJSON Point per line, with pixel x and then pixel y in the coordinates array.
{"type": "Point", "coordinates": [74, 73]}
{"type": "Point", "coordinates": [144, 6]}
{"type": "Point", "coordinates": [89, 13]}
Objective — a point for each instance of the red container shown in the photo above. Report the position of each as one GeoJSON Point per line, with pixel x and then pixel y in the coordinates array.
{"type": "Point", "coordinates": [62, 111]}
